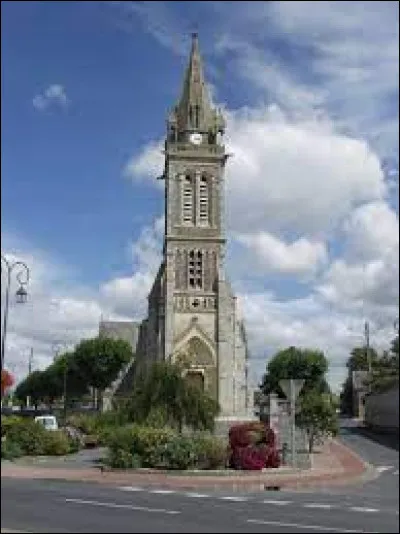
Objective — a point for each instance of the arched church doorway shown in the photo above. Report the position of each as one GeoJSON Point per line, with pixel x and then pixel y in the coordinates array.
{"type": "Point", "coordinates": [195, 378]}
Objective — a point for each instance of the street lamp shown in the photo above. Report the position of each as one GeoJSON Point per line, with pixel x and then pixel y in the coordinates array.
{"type": "Point", "coordinates": [21, 294]}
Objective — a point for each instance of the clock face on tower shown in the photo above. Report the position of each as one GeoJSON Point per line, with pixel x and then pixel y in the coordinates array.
{"type": "Point", "coordinates": [196, 138]}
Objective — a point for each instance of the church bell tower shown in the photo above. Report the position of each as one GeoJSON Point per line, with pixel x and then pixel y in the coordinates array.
{"type": "Point", "coordinates": [193, 311]}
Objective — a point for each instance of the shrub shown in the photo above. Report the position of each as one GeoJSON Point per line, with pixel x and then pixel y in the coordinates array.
{"type": "Point", "coordinates": [8, 421]}
{"type": "Point", "coordinates": [56, 443]}
{"type": "Point", "coordinates": [179, 452]}
{"type": "Point", "coordinates": [33, 439]}
{"type": "Point", "coordinates": [121, 459]}
{"type": "Point", "coordinates": [86, 423]}
{"type": "Point", "coordinates": [157, 418]}
{"type": "Point", "coordinates": [212, 452]}
{"type": "Point", "coordinates": [10, 450]}
{"type": "Point", "coordinates": [134, 446]}
{"type": "Point", "coordinates": [29, 435]}
{"type": "Point", "coordinates": [253, 446]}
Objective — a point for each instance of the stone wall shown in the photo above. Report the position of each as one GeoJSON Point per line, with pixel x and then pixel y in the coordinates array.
{"type": "Point", "coordinates": [382, 410]}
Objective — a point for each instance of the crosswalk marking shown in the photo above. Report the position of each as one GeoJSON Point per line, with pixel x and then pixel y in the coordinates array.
{"type": "Point", "coordinates": [362, 509]}
{"type": "Point", "coordinates": [234, 498]}
{"type": "Point", "coordinates": [318, 505]}
{"type": "Point", "coordinates": [383, 468]}
{"type": "Point", "coordinates": [278, 503]}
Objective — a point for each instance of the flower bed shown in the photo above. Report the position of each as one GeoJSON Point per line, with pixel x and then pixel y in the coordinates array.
{"type": "Point", "coordinates": [253, 447]}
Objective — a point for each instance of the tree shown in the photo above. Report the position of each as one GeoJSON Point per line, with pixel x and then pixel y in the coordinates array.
{"type": "Point", "coordinates": [100, 360]}
{"type": "Point", "coordinates": [317, 416]}
{"type": "Point", "coordinates": [346, 397]}
{"type": "Point", "coordinates": [296, 363]}
{"type": "Point", "coordinates": [394, 347]}
{"type": "Point", "coordinates": [358, 360]}
{"type": "Point", "coordinates": [31, 387]}
{"type": "Point", "coordinates": [165, 389]}
{"type": "Point", "coordinates": [66, 367]}
{"type": "Point", "coordinates": [7, 381]}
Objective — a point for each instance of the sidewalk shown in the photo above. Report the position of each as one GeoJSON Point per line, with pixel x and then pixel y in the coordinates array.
{"type": "Point", "coordinates": [334, 463]}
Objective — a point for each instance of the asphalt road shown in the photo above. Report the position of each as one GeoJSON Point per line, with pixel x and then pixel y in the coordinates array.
{"type": "Point", "coordinates": [57, 506]}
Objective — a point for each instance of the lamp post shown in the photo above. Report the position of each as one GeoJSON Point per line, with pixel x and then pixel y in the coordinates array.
{"type": "Point", "coordinates": [22, 275]}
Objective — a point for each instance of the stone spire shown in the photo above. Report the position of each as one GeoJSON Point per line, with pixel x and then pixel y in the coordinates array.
{"type": "Point", "coordinates": [194, 111]}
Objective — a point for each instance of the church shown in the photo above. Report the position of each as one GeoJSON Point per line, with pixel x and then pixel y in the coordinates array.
{"type": "Point", "coordinates": [192, 311]}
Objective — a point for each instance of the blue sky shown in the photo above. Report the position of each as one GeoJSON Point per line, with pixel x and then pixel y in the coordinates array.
{"type": "Point", "coordinates": [311, 99]}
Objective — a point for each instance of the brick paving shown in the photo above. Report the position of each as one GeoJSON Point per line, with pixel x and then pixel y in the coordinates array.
{"type": "Point", "coordinates": [333, 464]}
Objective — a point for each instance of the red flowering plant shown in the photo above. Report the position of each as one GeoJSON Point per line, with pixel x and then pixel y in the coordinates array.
{"type": "Point", "coordinates": [7, 380]}
{"type": "Point", "coordinates": [253, 446]}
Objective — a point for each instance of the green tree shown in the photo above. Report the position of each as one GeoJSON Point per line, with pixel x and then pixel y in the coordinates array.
{"type": "Point", "coordinates": [296, 363]}
{"type": "Point", "coordinates": [100, 360]}
{"type": "Point", "coordinates": [346, 397]}
{"type": "Point", "coordinates": [394, 347]}
{"type": "Point", "coordinates": [31, 386]}
{"type": "Point", "coordinates": [76, 384]}
{"type": "Point", "coordinates": [317, 416]}
{"type": "Point", "coordinates": [358, 360]}
{"type": "Point", "coordinates": [164, 389]}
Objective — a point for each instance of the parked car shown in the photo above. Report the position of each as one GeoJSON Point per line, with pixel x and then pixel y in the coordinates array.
{"type": "Point", "coordinates": [48, 421]}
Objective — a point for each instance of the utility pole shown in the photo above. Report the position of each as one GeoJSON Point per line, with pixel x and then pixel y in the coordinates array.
{"type": "Point", "coordinates": [30, 361]}
{"type": "Point", "coordinates": [368, 352]}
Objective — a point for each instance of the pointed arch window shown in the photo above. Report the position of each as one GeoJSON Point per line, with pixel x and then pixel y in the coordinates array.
{"type": "Point", "coordinates": [188, 200]}
{"type": "Point", "coordinates": [195, 269]}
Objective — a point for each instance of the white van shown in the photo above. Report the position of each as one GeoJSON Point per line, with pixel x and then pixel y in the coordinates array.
{"type": "Point", "coordinates": [48, 421]}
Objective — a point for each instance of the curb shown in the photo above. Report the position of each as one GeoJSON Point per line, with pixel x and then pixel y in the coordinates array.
{"type": "Point", "coordinates": [352, 470]}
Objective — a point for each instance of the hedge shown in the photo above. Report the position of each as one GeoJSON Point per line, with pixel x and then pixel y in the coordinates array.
{"type": "Point", "coordinates": [135, 446]}
{"type": "Point", "coordinates": [26, 437]}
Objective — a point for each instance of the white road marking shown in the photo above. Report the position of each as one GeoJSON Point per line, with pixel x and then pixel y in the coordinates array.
{"type": "Point", "coordinates": [196, 495]}
{"type": "Point", "coordinates": [318, 505]}
{"type": "Point", "coordinates": [362, 509]}
{"type": "Point", "coordinates": [383, 468]}
{"type": "Point", "coordinates": [126, 506]}
{"type": "Point", "coordinates": [130, 488]}
{"type": "Point", "coordinates": [279, 503]}
{"type": "Point", "coordinates": [298, 525]}
{"type": "Point", "coordinates": [396, 472]}
{"type": "Point", "coordinates": [162, 491]}
{"type": "Point", "coordinates": [236, 498]}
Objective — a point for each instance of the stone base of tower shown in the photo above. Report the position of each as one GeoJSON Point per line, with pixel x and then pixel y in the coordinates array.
{"type": "Point", "coordinates": [224, 423]}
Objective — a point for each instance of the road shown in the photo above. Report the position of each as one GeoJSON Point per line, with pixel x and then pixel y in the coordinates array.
{"type": "Point", "coordinates": [60, 506]}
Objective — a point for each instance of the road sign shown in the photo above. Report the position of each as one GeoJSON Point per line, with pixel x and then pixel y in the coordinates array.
{"type": "Point", "coordinates": [297, 385]}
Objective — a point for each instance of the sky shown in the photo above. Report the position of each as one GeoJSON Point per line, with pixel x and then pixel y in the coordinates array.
{"type": "Point", "coordinates": [310, 95]}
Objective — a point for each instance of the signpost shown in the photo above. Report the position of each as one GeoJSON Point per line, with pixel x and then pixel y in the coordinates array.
{"type": "Point", "coordinates": [291, 388]}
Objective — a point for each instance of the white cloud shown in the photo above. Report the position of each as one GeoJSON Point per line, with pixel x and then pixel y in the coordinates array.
{"type": "Point", "coordinates": [128, 295]}
{"type": "Point", "coordinates": [161, 22]}
{"type": "Point", "coordinates": [295, 175]}
{"type": "Point", "coordinates": [334, 56]}
{"type": "Point", "coordinates": [54, 95]}
{"type": "Point", "coordinates": [148, 164]}
{"type": "Point", "coordinates": [301, 257]}
{"type": "Point", "coordinates": [372, 231]}
{"type": "Point", "coordinates": [367, 276]}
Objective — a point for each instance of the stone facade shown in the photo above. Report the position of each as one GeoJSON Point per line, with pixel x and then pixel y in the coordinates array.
{"type": "Point", "coordinates": [192, 311]}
